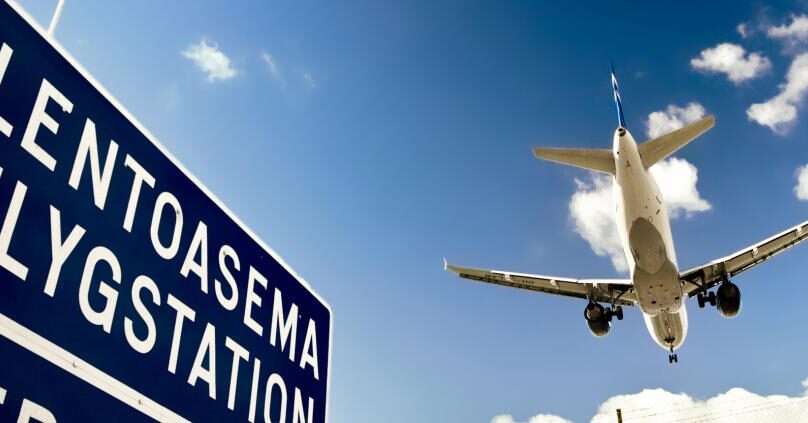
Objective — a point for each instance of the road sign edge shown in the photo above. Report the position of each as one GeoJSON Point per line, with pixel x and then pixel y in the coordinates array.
{"type": "Point", "coordinates": [205, 190]}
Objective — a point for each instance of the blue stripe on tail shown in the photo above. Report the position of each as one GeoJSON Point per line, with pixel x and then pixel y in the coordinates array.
{"type": "Point", "coordinates": [617, 100]}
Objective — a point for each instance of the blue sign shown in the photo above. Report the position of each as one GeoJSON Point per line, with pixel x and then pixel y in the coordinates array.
{"type": "Point", "coordinates": [127, 290]}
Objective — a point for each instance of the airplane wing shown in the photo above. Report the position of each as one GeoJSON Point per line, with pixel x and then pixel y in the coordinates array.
{"type": "Point", "coordinates": [619, 291]}
{"type": "Point", "coordinates": [712, 273]}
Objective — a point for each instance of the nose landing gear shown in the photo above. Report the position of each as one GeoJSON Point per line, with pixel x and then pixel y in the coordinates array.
{"type": "Point", "coordinates": [672, 357]}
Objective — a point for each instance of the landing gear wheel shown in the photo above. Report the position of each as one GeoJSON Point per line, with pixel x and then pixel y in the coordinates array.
{"type": "Point", "coordinates": [618, 312]}
{"type": "Point", "coordinates": [672, 357]}
{"type": "Point", "coordinates": [711, 298]}
{"type": "Point", "coordinates": [705, 299]}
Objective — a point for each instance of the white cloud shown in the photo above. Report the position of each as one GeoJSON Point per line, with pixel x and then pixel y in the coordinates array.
{"type": "Point", "coordinates": [593, 216]}
{"type": "Point", "coordinates": [801, 191]}
{"type": "Point", "coordinates": [658, 405]}
{"type": "Point", "coordinates": [797, 30]}
{"type": "Point", "coordinates": [672, 118]}
{"type": "Point", "coordinates": [308, 79]}
{"type": "Point", "coordinates": [272, 65]}
{"type": "Point", "coordinates": [735, 405]}
{"type": "Point", "coordinates": [741, 28]}
{"type": "Point", "coordinates": [781, 109]}
{"type": "Point", "coordinates": [593, 213]}
{"type": "Point", "coordinates": [539, 418]}
{"type": "Point", "coordinates": [209, 59]}
{"type": "Point", "coordinates": [732, 60]}
{"type": "Point", "coordinates": [592, 209]}
{"type": "Point", "coordinates": [677, 180]}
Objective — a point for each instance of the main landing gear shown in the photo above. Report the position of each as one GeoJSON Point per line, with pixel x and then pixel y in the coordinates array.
{"type": "Point", "coordinates": [704, 299]}
{"type": "Point", "coordinates": [727, 298]}
{"type": "Point", "coordinates": [616, 312]}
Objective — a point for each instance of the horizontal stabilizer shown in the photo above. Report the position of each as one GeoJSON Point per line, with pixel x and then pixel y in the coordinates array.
{"type": "Point", "coordinates": [657, 149]}
{"type": "Point", "coordinates": [597, 159]}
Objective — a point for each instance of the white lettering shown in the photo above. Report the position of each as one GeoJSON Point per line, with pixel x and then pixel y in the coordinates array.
{"type": "Point", "coordinates": [199, 244]}
{"type": "Point", "coordinates": [88, 146]}
{"type": "Point", "coordinates": [207, 347]}
{"type": "Point", "coordinates": [5, 57]}
{"type": "Point", "coordinates": [287, 325]}
{"type": "Point", "coordinates": [7, 231]}
{"type": "Point", "coordinates": [310, 350]}
{"type": "Point", "coordinates": [183, 312]}
{"type": "Point", "coordinates": [104, 317]}
{"type": "Point", "coordinates": [40, 118]}
{"type": "Point", "coordinates": [253, 298]}
{"type": "Point", "coordinates": [60, 251]}
{"type": "Point", "coordinates": [300, 414]}
{"type": "Point", "coordinates": [141, 176]}
{"type": "Point", "coordinates": [273, 381]}
{"type": "Point", "coordinates": [239, 353]}
{"type": "Point", "coordinates": [254, 390]}
{"type": "Point", "coordinates": [225, 252]}
{"type": "Point", "coordinates": [33, 411]}
{"type": "Point", "coordinates": [145, 345]}
{"type": "Point", "coordinates": [164, 199]}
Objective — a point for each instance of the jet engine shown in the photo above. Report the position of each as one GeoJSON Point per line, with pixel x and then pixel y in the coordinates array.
{"type": "Point", "coordinates": [728, 299]}
{"type": "Point", "coordinates": [598, 319]}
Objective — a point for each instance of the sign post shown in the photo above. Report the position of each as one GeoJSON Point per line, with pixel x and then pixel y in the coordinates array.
{"type": "Point", "coordinates": [127, 290]}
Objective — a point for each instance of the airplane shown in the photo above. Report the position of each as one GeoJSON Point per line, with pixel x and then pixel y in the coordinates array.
{"type": "Point", "coordinates": [656, 284]}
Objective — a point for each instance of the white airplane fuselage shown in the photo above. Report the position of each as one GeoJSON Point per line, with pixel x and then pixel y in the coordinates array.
{"type": "Point", "coordinates": [644, 228]}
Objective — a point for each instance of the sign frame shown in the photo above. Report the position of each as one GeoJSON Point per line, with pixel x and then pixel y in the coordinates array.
{"type": "Point", "coordinates": [62, 358]}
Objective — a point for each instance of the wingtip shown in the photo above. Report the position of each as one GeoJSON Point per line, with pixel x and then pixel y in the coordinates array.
{"type": "Point", "coordinates": [540, 152]}
{"type": "Point", "coordinates": [445, 264]}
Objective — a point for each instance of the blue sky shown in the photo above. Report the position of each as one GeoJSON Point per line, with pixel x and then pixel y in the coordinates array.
{"type": "Point", "coordinates": [384, 136]}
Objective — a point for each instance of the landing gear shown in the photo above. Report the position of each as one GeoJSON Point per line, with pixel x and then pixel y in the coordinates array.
{"type": "Point", "coordinates": [704, 299]}
{"type": "Point", "coordinates": [614, 312]}
{"type": "Point", "coordinates": [672, 357]}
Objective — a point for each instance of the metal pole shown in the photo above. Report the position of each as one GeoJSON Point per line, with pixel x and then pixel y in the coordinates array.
{"type": "Point", "coordinates": [56, 15]}
{"type": "Point", "coordinates": [619, 416]}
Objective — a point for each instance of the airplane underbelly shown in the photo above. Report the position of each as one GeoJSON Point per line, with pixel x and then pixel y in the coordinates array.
{"type": "Point", "coordinates": [658, 292]}
{"type": "Point", "coordinates": [668, 329]}
{"type": "Point", "coordinates": [655, 275]}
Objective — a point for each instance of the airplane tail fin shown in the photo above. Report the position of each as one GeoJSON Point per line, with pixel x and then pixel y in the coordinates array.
{"type": "Point", "coordinates": [651, 152]}
{"type": "Point", "coordinates": [596, 159]}
{"type": "Point", "coordinates": [654, 150]}
{"type": "Point", "coordinates": [618, 101]}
